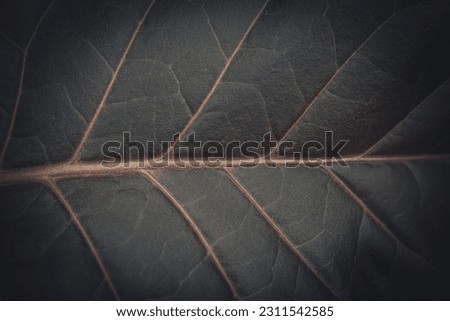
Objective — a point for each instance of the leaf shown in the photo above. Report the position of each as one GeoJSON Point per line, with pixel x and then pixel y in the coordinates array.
{"type": "Point", "coordinates": [76, 74]}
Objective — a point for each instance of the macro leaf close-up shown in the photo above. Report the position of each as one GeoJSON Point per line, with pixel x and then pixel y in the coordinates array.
{"type": "Point", "coordinates": [365, 216]}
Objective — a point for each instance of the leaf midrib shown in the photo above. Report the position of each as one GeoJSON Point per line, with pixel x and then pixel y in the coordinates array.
{"type": "Point", "coordinates": [98, 168]}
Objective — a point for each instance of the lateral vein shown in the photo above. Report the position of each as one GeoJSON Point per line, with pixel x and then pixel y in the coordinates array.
{"type": "Point", "coordinates": [294, 249]}
{"type": "Point", "coordinates": [63, 200]}
{"type": "Point", "coordinates": [76, 155]}
{"type": "Point", "coordinates": [193, 225]}
{"type": "Point", "coordinates": [333, 77]}
{"type": "Point", "coordinates": [218, 80]}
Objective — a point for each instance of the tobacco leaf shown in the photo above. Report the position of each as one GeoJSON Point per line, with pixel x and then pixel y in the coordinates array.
{"type": "Point", "coordinates": [76, 74]}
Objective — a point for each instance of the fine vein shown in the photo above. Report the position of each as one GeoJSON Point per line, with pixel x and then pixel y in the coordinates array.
{"type": "Point", "coordinates": [20, 88]}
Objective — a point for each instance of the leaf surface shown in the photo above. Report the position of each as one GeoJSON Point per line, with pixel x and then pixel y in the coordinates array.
{"type": "Point", "coordinates": [77, 74]}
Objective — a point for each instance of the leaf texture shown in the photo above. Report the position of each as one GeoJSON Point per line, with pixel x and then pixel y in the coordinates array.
{"type": "Point", "coordinates": [77, 74]}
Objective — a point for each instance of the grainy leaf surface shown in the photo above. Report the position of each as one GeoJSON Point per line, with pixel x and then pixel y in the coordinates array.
{"type": "Point", "coordinates": [76, 74]}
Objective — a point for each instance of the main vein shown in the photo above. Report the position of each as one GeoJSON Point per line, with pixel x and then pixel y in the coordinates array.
{"type": "Point", "coordinates": [87, 169]}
